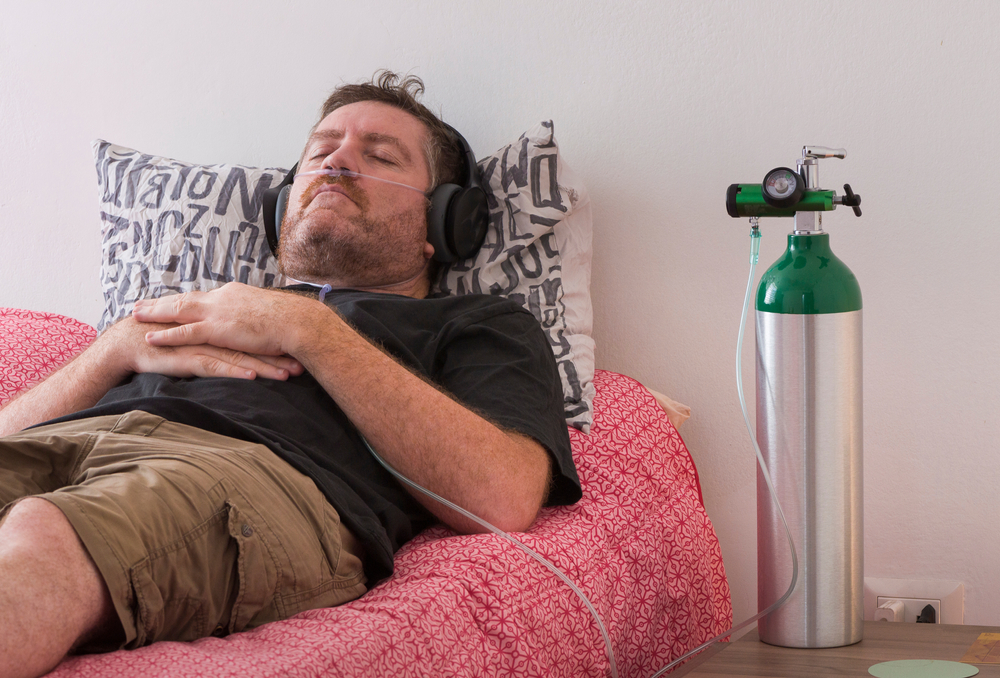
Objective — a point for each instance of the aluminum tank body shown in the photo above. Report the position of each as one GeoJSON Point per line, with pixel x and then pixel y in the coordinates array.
{"type": "Point", "coordinates": [809, 428]}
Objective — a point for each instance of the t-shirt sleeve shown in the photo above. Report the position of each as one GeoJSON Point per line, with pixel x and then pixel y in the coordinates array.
{"type": "Point", "coordinates": [503, 368]}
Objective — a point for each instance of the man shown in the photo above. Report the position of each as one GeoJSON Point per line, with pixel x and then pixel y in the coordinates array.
{"type": "Point", "coordinates": [201, 470]}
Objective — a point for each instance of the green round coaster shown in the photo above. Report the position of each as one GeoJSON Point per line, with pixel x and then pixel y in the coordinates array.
{"type": "Point", "coordinates": [922, 668]}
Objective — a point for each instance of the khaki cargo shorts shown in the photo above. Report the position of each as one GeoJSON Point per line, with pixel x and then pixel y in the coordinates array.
{"type": "Point", "coordinates": [195, 533]}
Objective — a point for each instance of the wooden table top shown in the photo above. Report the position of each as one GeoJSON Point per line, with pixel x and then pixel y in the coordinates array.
{"type": "Point", "coordinates": [883, 641]}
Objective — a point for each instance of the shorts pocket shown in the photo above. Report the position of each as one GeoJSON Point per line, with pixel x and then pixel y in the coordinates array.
{"type": "Point", "coordinates": [340, 576]}
{"type": "Point", "coordinates": [221, 576]}
{"type": "Point", "coordinates": [159, 618]}
{"type": "Point", "coordinates": [173, 591]}
{"type": "Point", "coordinates": [257, 571]}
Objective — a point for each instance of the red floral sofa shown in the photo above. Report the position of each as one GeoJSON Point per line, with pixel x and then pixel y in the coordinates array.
{"type": "Point", "coordinates": [639, 544]}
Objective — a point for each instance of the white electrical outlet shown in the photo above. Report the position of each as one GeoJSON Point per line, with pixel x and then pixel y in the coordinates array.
{"type": "Point", "coordinates": [891, 610]}
{"type": "Point", "coordinates": [913, 607]}
{"type": "Point", "coordinates": [947, 598]}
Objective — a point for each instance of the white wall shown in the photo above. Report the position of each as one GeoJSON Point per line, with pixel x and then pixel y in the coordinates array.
{"type": "Point", "coordinates": [660, 106]}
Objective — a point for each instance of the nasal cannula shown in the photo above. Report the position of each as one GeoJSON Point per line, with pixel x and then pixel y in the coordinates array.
{"type": "Point", "coordinates": [343, 172]}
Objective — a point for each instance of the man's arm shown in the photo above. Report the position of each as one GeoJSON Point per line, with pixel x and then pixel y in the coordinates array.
{"type": "Point", "coordinates": [75, 386]}
{"type": "Point", "coordinates": [120, 351]}
{"type": "Point", "coordinates": [423, 433]}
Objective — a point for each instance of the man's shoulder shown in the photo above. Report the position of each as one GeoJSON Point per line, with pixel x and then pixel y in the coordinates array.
{"type": "Point", "coordinates": [480, 308]}
{"type": "Point", "coordinates": [474, 301]}
{"type": "Point", "coordinates": [473, 307]}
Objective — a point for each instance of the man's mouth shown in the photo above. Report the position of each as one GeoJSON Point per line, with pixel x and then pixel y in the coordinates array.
{"type": "Point", "coordinates": [335, 185]}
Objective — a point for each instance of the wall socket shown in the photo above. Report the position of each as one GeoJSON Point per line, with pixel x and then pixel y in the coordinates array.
{"type": "Point", "coordinates": [912, 607]}
{"type": "Point", "coordinates": [947, 598]}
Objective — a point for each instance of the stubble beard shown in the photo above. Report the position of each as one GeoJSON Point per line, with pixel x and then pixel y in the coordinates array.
{"type": "Point", "coordinates": [358, 251]}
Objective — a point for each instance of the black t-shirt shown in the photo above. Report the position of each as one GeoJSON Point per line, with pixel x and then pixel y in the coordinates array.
{"type": "Point", "coordinates": [487, 352]}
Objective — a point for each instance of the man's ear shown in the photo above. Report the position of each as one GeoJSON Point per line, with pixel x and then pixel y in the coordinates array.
{"type": "Point", "coordinates": [428, 250]}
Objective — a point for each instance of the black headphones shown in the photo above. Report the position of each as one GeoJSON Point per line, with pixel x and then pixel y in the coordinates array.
{"type": "Point", "coordinates": [456, 221]}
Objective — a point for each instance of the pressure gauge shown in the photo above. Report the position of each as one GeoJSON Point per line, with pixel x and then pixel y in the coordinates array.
{"type": "Point", "coordinates": [783, 187]}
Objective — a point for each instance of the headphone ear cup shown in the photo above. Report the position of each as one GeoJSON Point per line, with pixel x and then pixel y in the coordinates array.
{"type": "Point", "coordinates": [468, 217]}
{"type": "Point", "coordinates": [459, 215]}
{"type": "Point", "coordinates": [273, 228]}
{"type": "Point", "coordinates": [273, 208]}
{"type": "Point", "coordinates": [279, 211]}
{"type": "Point", "coordinates": [437, 222]}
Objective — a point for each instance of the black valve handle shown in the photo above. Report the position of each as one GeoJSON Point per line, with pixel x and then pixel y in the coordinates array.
{"type": "Point", "coordinates": [852, 200]}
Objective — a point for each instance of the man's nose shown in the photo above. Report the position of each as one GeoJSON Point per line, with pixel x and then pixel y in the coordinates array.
{"type": "Point", "coordinates": [342, 158]}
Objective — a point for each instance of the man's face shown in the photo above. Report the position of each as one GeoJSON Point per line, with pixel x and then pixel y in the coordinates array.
{"type": "Point", "coordinates": [357, 231]}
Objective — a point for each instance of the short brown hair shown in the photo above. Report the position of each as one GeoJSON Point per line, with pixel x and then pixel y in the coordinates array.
{"type": "Point", "coordinates": [444, 160]}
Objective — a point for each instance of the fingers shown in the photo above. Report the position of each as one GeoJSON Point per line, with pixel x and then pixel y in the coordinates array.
{"type": "Point", "coordinates": [284, 362]}
{"type": "Point", "coordinates": [234, 316]}
{"type": "Point", "coordinates": [184, 309]}
{"type": "Point", "coordinates": [211, 361]}
{"type": "Point", "coordinates": [175, 308]}
{"type": "Point", "coordinates": [182, 335]}
{"type": "Point", "coordinates": [265, 367]}
{"type": "Point", "coordinates": [211, 366]}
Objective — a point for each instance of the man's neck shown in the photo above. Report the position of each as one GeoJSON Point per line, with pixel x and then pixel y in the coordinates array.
{"type": "Point", "coordinates": [417, 287]}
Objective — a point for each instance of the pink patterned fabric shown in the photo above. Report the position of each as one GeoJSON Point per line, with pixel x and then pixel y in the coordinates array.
{"type": "Point", "coordinates": [639, 544]}
{"type": "Point", "coordinates": [33, 344]}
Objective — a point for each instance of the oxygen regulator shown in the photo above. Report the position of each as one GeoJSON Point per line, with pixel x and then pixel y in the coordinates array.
{"type": "Point", "coordinates": [786, 192]}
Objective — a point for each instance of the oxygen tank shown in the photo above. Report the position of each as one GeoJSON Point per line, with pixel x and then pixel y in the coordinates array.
{"type": "Point", "coordinates": [809, 422]}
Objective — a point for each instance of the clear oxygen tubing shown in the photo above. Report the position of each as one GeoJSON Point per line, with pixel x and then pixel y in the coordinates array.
{"type": "Point", "coordinates": [500, 533]}
{"type": "Point", "coordinates": [342, 172]}
{"type": "Point", "coordinates": [754, 251]}
{"type": "Point", "coordinates": [754, 254]}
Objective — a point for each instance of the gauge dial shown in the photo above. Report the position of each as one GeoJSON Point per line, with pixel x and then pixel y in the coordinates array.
{"type": "Point", "coordinates": [783, 187]}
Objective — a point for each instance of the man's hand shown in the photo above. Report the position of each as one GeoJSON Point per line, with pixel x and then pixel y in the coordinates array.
{"type": "Point", "coordinates": [238, 317]}
{"type": "Point", "coordinates": [123, 350]}
{"type": "Point", "coordinates": [202, 360]}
